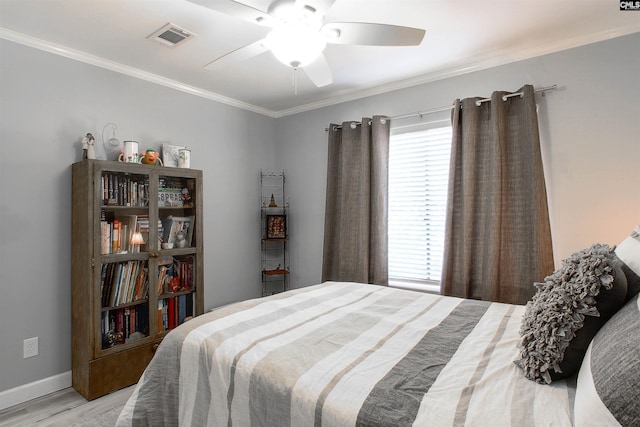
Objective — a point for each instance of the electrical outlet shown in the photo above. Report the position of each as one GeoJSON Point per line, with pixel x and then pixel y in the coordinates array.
{"type": "Point", "coordinates": [30, 348]}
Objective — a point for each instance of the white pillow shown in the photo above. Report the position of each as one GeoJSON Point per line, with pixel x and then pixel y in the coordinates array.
{"type": "Point", "coordinates": [629, 250]}
{"type": "Point", "coordinates": [588, 408]}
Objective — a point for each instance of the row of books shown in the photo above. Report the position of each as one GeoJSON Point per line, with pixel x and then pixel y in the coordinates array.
{"type": "Point", "coordinates": [117, 231]}
{"type": "Point", "coordinates": [173, 311]}
{"type": "Point", "coordinates": [175, 274]}
{"type": "Point", "coordinates": [128, 281]}
{"type": "Point", "coordinates": [124, 189]}
{"type": "Point", "coordinates": [124, 282]}
{"type": "Point", "coordinates": [120, 324]}
{"type": "Point", "coordinates": [143, 226]}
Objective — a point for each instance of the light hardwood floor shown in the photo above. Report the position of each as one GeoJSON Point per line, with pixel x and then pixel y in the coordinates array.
{"type": "Point", "coordinates": [62, 408]}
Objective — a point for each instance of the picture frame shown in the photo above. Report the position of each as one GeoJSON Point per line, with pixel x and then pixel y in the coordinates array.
{"type": "Point", "coordinates": [172, 225]}
{"type": "Point", "coordinates": [276, 226]}
{"type": "Point", "coordinates": [171, 154]}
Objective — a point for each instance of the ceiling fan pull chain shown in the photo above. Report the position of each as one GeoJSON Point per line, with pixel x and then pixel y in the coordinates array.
{"type": "Point", "coordinates": [295, 81]}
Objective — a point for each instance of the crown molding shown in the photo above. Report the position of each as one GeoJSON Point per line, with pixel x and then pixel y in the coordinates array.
{"type": "Point", "coordinates": [123, 69]}
{"type": "Point", "coordinates": [495, 59]}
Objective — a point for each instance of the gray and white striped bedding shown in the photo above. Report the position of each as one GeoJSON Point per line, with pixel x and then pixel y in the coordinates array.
{"type": "Point", "coordinates": [345, 354]}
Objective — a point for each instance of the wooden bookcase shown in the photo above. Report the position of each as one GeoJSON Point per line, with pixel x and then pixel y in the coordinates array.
{"type": "Point", "coordinates": [126, 297]}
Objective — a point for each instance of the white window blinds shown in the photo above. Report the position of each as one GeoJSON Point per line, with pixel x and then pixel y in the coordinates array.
{"type": "Point", "coordinates": [418, 181]}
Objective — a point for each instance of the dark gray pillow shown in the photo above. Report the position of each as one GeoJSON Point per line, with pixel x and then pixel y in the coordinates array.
{"type": "Point", "coordinates": [609, 379]}
{"type": "Point", "coordinates": [633, 281]}
{"type": "Point", "coordinates": [567, 311]}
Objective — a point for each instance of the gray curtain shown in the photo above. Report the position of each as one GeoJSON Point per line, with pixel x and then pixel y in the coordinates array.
{"type": "Point", "coordinates": [497, 237]}
{"type": "Point", "coordinates": [355, 226]}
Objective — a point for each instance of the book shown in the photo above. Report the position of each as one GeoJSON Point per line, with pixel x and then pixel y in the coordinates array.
{"type": "Point", "coordinates": [160, 315]}
{"type": "Point", "coordinates": [189, 311]}
{"type": "Point", "coordinates": [120, 325]}
{"type": "Point", "coordinates": [142, 315]}
{"type": "Point", "coordinates": [115, 285]}
{"type": "Point", "coordinates": [105, 237]}
{"type": "Point", "coordinates": [106, 230]}
{"type": "Point", "coordinates": [107, 283]}
{"type": "Point", "coordinates": [129, 223]}
{"type": "Point", "coordinates": [171, 313]}
{"type": "Point", "coordinates": [182, 308]}
{"type": "Point", "coordinates": [132, 321]}
{"type": "Point", "coordinates": [115, 236]}
{"type": "Point", "coordinates": [139, 292]}
{"type": "Point", "coordinates": [126, 323]}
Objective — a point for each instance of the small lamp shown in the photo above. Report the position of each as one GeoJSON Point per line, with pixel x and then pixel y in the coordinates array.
{"type": "Point", "coordinates": [136, 241]}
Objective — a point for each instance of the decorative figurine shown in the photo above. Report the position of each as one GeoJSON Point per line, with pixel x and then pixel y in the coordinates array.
{"type": "Point", "coordinates": [273, 203]}
{"type": "Point", "coordinates": [151, 157]}
{"type": "Point", "coordinates": [112, 338]}
{"type": "Point", "coordinates": [175, 284]}
{"type": "Point", "coordinates": [88, 147]}
{"type": "Point", "coordinates": [180, 240]}
{"type": "Point", "coordinates": [187, 202]}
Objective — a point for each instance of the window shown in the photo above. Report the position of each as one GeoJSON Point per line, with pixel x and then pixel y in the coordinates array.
{"type": "Point", "coordinates": [418, 182]}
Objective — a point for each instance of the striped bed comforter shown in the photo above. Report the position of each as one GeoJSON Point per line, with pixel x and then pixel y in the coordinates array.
{"type": "Point", "coordinates": [345, 354]}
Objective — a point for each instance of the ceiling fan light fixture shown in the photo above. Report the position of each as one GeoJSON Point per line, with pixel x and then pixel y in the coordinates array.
{"type": "Point", "coordinates": [295, 45]}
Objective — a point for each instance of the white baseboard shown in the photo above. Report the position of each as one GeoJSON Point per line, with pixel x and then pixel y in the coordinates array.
{"type": "Point", "coordinates": [26, 392]}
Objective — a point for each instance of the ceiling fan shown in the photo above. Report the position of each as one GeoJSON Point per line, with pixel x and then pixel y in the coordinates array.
{"type": "Point", "coordinates": [299, 34]}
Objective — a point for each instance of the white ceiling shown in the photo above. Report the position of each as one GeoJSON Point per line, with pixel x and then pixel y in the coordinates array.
{"type": "Point", "coordinates": [461, 36]}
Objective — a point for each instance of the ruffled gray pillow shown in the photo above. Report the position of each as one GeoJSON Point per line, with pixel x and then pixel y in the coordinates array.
{"type": "Point", "coordinates": [567, 311]}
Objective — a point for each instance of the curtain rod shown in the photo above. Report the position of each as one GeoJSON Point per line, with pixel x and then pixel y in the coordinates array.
{"type": "Point", "coordinates": [449, 107]}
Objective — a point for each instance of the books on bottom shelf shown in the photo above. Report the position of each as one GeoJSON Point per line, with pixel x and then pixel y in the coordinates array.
{"type": "Point", "coordinates": [174, 311]}
{"type": "Point", "coordinates": [123, 325]}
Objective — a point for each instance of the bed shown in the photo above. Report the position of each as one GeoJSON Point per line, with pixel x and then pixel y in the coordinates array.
{"type": "Point", "coordinates": [347, 354]}
{"type": "Point", "coordinates": [343, 354]}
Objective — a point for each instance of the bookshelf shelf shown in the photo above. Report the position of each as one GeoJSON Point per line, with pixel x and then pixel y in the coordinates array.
{"type": "Point", "coordinates": [127, 295]}
{"type": "Point", "coordinates": [275, 272]}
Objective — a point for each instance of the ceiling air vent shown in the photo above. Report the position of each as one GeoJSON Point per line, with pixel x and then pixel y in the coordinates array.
{"type": "Point", "coordinates": [171, 35]}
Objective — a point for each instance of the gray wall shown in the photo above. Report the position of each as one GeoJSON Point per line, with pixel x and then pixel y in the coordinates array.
{"type": "Point", "coordinates": [590, 130]}
{"type": "Point", "coordinates": [47, 104]}
{"type": "Point", "coordinates": [590, 136]}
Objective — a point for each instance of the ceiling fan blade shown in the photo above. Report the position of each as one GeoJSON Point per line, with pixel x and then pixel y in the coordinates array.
{"type": "Point", "coordinates": [370, 34]}
{"type": "Point", "coordinates": [240, 54]}
{"type": "Point", "coordinates": [321, 6]}
{"type": "Point", "coordinates": [319, 72]}
{"type": "Point", "coordinates": [237, 10]}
